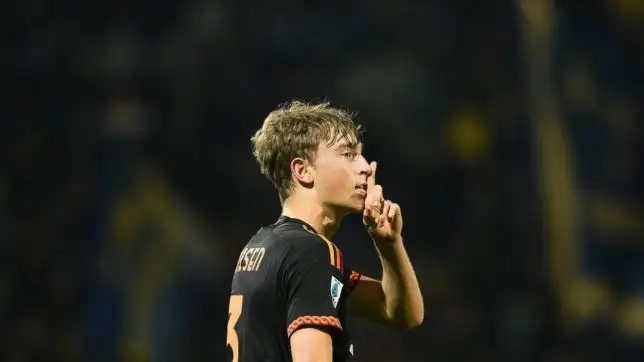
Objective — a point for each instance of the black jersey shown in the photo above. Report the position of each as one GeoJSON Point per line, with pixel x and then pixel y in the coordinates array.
{"type": "Point", "coordinates": [288, 277]}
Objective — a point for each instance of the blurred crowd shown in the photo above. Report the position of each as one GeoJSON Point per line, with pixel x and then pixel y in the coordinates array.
{"type": "Point", "coordinates": [127, 186]}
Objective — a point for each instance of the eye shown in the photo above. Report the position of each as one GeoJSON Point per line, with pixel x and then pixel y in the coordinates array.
{"type": "Point", "coordinates": [350, 155]}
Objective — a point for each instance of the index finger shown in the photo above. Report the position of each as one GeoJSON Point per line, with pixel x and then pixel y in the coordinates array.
{"type": "Point", "coordinates": [371, 179]}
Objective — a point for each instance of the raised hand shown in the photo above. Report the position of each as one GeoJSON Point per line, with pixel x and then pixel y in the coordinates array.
{"type": "Point", "coordinates": [382, 218]}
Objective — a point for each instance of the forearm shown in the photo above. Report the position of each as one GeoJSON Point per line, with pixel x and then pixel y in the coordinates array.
{"type": "Point", "coordinates": [404, 300]}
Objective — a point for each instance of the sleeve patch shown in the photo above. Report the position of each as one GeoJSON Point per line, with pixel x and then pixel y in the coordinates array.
{"type": "Point", "coordinates": [336, 291]}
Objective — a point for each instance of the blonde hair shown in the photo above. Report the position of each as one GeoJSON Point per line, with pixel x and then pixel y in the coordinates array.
{"type": "Point", "coordinates": [297, 129]}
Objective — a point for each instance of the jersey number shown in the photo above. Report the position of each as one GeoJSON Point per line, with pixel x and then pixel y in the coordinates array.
{"type": "Point", "coordinates": [234, 311]}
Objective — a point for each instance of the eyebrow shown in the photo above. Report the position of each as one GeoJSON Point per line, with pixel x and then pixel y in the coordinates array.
{"type": "Point", "coordinates": [346, 144]}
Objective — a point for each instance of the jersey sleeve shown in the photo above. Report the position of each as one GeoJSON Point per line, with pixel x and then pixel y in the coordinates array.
{"type": "Point", "coordinates": [312, 287]}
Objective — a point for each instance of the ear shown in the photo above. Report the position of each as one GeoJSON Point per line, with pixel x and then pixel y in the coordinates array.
{"type": "Point", "coordinates": [301, 170]}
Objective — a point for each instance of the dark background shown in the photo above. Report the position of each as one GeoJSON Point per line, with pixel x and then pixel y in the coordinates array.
{"type": "Point", "coordinates": [510, 133]}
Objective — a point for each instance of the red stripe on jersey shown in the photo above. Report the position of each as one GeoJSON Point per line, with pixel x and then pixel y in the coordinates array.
{"type": "Point", "coordinates": [339, 259]}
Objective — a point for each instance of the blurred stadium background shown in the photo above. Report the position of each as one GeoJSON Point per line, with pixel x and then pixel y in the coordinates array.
{"type": "Point", "coordinates": [510, 132]}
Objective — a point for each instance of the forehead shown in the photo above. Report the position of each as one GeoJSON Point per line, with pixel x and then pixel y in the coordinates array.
{"type": "Point", "coordinates": [341, 139]}
{"type": "Point", "coordinates": [342, 144]}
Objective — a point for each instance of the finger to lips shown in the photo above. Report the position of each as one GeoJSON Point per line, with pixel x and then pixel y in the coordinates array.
{"type": "Point", "coordinates": [371, 179]}
{"type": "Point", "coordinates": [376, 198]}
{"type": "Point", "coordinates": [371, 183]}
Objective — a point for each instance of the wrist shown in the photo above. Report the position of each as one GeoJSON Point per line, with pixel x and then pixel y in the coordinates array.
{"type": "Point", "coordinates": [388, 243]}
{"type": "Point", "coordinates": [392, 253]}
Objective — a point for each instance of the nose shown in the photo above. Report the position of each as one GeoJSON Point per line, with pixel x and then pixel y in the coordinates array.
{"type": "Point", "coordinates": [365, 169]}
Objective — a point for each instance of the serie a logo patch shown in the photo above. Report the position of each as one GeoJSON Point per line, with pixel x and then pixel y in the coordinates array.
{"type": "Point", "coordinates": [336, 291]}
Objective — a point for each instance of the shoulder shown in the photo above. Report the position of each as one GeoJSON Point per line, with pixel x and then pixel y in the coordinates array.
{"type": "Point", "coordinates": [304, 245]}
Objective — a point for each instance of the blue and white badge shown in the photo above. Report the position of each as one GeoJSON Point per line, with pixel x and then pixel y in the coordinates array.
{"type": "Point", "coordinates": [336, 291]}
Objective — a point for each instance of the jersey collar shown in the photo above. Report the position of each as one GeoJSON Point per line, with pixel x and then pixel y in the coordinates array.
{"type": "Point", "coordinates": [284, 219]}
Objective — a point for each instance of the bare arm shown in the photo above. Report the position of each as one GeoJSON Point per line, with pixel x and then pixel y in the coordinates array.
{"type": "Point", "coordinates": [311, 345]}
{"type": "Point", "coordinates": [396, 300]}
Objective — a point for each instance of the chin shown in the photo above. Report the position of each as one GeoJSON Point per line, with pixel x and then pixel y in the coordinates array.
{"type": "Point", "coordinates": [350, 205]}
{"type": "Point", "coordinates": [356, 207]}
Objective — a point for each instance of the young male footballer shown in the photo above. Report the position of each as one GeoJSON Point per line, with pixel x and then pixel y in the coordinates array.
{"type": "Point", "coordinates": [293, 289]}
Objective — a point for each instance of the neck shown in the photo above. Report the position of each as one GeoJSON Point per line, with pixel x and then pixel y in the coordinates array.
{"type": "Point", "coordinates": [323, 220]}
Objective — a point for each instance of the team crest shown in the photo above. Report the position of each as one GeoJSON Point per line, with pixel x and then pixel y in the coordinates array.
{"type": "Point", "coordinates": [336, 291]}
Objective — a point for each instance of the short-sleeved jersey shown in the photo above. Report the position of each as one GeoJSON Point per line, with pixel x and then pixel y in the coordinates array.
{"type": "Point", "coordinates": [288, 277]}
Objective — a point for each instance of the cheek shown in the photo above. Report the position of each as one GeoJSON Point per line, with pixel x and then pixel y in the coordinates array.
{"type": "Point", "coordinates": [334, 177]}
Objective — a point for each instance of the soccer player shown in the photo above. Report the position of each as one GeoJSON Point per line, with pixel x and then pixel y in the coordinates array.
{"type": "Point", "coordinates": [292, 288]}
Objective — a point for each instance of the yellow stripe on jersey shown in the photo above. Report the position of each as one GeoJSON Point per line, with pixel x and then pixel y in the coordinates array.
{"type": "Point", "coordinates": [329, 244]}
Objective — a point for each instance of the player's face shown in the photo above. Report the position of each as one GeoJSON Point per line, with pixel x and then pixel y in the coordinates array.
{"type": "Point", "coordinates": [341, 176]}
